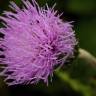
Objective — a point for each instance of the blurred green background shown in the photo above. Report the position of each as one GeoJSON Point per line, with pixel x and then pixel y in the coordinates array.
{"type": "Point", "coordinates": [78, 79]}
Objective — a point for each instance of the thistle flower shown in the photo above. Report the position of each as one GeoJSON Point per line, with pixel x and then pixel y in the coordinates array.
{"type": "Point", "coordinates": [35, 41]}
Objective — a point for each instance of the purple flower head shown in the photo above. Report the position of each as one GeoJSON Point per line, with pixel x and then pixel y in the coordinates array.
{"type": "Point", "coordinates": [34, 39]}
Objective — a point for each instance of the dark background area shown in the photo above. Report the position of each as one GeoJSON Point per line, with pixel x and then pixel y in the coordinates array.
{"type": "Point", "coordinates": [78, 79]}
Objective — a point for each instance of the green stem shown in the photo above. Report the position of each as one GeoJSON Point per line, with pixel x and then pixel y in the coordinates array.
{"type": "Point", "coordinates": [75, 84]}
{"type": "Point", "coordinates": [85, 90]}
{"type": "Point", "coordinates": [87, 56]}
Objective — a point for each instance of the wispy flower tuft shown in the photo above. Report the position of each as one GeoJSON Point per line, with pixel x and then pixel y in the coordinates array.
{"type": "Point", "coordinates": [34, 41]}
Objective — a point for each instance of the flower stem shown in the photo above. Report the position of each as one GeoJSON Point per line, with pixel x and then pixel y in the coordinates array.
{"type": "Point", "coordinates": [76, 85]}
{"type": "Point", "coordinates": [87, 56]}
